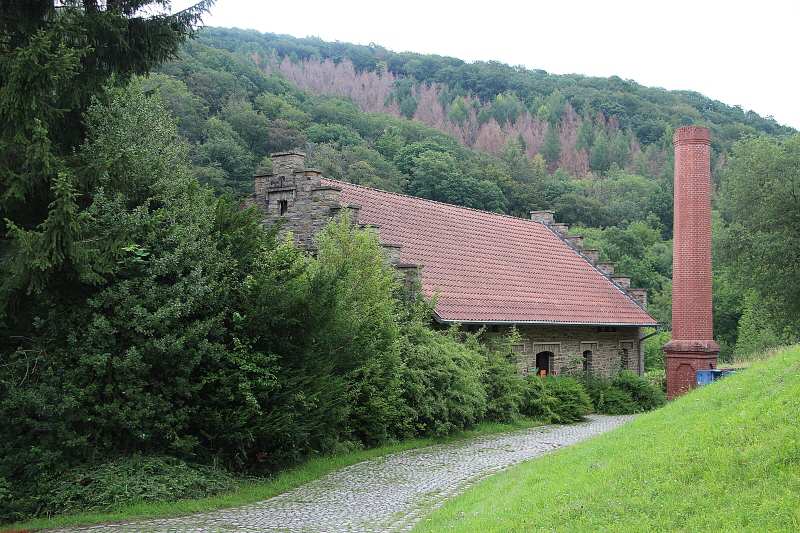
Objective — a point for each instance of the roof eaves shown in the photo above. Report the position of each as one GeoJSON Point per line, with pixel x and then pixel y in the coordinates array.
{"type": "Point", "coordinates": [544, 323]}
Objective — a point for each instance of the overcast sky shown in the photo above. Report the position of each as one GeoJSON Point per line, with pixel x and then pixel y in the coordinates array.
{"type": "Point", "coordinates": [741, 53]}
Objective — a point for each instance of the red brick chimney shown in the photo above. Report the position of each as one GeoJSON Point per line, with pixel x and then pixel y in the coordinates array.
{"type": "Point", "coordinates": [692, 347]}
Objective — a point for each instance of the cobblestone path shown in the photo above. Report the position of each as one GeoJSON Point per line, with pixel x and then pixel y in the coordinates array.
{"type": "Point", "coordinates": [387, 494]}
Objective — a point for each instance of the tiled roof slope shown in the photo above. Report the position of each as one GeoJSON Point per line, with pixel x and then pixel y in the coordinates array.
{"type": "Point", "coordinates": [491, 268]}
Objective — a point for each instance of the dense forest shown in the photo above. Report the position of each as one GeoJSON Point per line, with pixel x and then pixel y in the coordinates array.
{"type": "Point", "coordinates": [145, 319]}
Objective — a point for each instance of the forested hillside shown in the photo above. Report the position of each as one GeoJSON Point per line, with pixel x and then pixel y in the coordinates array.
{"type": "Point", "coordinates": [598, 151]}
{"type": "Point", "coordinates": [578, 126]}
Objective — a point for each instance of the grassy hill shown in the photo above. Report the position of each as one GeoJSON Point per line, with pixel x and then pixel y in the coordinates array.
{"type": "Point", "coordinates": [725, 457]}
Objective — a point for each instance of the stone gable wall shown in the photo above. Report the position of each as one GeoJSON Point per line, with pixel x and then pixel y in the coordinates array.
{"type": "Point", "coordinates": [293, 193]}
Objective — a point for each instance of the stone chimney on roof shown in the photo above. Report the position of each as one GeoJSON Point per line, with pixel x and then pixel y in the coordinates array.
{"type": "Point", "coordinates": [545, 217]}
{"type": "Point", "coordinates": [287, 163]}
{"type": "Point", "coordinates": [692, 347]}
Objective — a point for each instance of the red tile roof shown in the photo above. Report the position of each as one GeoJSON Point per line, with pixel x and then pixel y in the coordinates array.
{"type": "Point", "coordinates": [491, 268]}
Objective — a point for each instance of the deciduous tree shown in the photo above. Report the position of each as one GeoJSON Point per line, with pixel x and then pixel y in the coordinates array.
{"type": "Point", "coordinates": [761, 203]}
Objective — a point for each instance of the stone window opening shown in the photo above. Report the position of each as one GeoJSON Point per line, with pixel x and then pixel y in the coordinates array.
{"type": "Point", "coordinates": [587, 361]}
{"type": "Point", "coordinates": [626, 348]}
{"type": "Point", "coordinates": [283, 205]}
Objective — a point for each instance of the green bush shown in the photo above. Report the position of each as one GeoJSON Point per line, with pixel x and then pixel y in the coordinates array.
{"type": "Point", "coordinates": [657, 379]}
{"type": "Point", "coordinates": [627, 393]}
{"type": "Point", "coordinates": [378, 413]}
{"type": "Point", "coordinates": [131, 479]}
{"type": "Point", "coordinates": [120, 481]}
{"type": "Point", "coordinates": [537, 402]}
{"type": "Point", "coordinates": [608, 400]}
{"type": "Point", "coordinates": [504, 388]}
{"type": "Point", "coordinates": [442, 382]}
{"type": "Point", "coordinates": [644, 395]}
{"type": "Point", "coordinates": [572, 402]}
{"type": "Point", "coordinates": [558, 400]}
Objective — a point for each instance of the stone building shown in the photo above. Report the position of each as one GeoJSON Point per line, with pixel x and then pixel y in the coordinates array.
{"type": "Point", "coordinates": [487, 270]}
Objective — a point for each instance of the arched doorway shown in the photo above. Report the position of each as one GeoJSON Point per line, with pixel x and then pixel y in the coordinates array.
{"type": "Point", "coordinates": [544, 360]}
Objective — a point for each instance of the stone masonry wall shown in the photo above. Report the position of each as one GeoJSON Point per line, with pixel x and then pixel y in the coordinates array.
{"type": "Point", "coordinates": [294, 194]}
{"type": "Point", "coordinates": [612, 348]}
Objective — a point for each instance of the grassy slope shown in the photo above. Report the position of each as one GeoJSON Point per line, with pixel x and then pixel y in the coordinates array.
{"type": "Point", "coordinates": [725, 457]}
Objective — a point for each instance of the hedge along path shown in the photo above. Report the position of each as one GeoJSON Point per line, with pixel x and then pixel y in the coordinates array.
{"type": "Point", "coordinates": [387, 494]}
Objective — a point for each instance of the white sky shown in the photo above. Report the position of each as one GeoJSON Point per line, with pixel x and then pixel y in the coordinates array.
{"type": "Point", "coordinates": [741, 53]}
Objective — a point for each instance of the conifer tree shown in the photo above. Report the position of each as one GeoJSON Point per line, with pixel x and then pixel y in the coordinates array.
{"type": "Point", "coordinates": [55, 55]}
{"type": "Point", "coordinates": [552, 147]}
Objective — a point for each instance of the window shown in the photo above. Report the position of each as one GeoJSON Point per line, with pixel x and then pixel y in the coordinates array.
{"type": "Point", "coordinates": [284, 206]}
{"type": "Point", "coordinates": [587, 361]}
{"type": "Point", "coordinates": [625, 351]}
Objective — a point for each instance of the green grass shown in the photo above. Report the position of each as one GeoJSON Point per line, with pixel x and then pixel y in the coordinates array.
{"type": "Point", "coordinates": [725, 457]}
{"type": "Point", "coordinates": [744, 361]}
{"type": "Point", "coordinates": [249, 491]}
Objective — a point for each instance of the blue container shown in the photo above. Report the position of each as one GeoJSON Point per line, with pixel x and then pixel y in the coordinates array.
{"type": "Point", "coordinates": [704, 377]}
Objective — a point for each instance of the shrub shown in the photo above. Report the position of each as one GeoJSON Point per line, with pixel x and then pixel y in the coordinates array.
{"type": "Point", "coordinates": [442, 384]}
{"type": "Point", "coordinates": [504, 388]}
{"type": "Point", "coordinates": [644, 395]}
{"type": "Point", "coordinates": [608, 400]}
{"type": "Point", "coordinates": [558, 400]}
{"type": "Point", "coordinates": [124, 480]}
{"type": "Point", "coordinates": [572, 401]}
{"type": "Point", "coordinates": [627, 393]}
{"type": "Point", "coordinates": [378, 413]}
{"type": "Point", "coordinates": [537, 401]}
{"type": "Point", "coordinates": [657, 379]}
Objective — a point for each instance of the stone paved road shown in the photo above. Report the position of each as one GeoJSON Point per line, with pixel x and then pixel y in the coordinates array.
{"type": "Point", "coordinates": [387, 494]}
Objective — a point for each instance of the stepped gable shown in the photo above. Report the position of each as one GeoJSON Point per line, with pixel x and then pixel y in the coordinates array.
{"type": "Point", "coordinates": [490, 268]}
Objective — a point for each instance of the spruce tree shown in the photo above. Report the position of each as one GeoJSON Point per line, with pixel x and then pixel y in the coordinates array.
{"type": "Point", "coordinates": [55, 55]}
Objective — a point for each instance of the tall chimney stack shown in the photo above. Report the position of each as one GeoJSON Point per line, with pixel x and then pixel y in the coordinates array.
{"type": "Point", "coordinates": [692, 347]}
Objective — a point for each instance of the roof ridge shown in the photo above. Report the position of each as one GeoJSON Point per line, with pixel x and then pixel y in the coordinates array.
{"type": "Point", "coordinates": [404, 195]}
